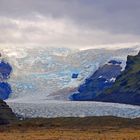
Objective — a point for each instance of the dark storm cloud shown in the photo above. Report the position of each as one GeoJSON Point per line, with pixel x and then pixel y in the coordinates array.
{"type": "Point", "coordinates": [118, 16]}
{"type": "Point", "coordinates": [69, 22]}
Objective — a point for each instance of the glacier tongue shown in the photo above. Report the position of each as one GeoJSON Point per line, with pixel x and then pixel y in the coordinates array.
{"type": "Point", "coordinates": [52, 109]}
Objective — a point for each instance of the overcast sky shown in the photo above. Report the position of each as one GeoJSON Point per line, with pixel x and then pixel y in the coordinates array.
{"type": "Point", "coordinates": [69, 23]}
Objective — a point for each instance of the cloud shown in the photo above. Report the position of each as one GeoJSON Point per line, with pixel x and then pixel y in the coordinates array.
{"type": "Point", "coordinates": [64, 23]}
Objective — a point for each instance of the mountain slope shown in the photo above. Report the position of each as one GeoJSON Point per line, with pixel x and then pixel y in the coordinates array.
{"type": "Point", "coordinates": [6, 114]}
{"type": "Point", "coordinates": [102, 79]}
{"type": "Point", "coordinates": [127, 86]}
{"type": "Point", "coordinates": [5, 71]}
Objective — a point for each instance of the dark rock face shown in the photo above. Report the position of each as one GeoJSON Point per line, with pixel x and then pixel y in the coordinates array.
{"type": "Point", "coordinates": [126, 89]}
{"type": "Point", "coordinates": [5, 70]}
{"type": "Point", "coordinates": [114, 62]}
{"type": "Point", "coordinates": [102, 79]}
{"type": "Point", "coordinates": [5, 88]}
{"type": "Point", "coordinates": [6, 114]}
{"type": "Point", "coordinates": [75, 75]}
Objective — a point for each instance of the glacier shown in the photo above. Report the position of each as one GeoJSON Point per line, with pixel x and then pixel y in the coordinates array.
{"type": "Point", "coordinates": [53, 109]}
{"type": "Point", "coordinates": [42, 82]}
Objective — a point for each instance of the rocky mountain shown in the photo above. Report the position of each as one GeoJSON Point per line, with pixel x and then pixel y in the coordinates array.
{"type": "Point", "coordinates": [5, 71]}
{"type": "Point", "coordinates": [126, 89]}
{"type": "Point", "coordinates": [6, 114]}
{"type": "Point", "coordinates": [109, 84]}
{"type": "Point", "coordinates": [102, 79]}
